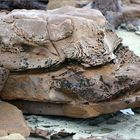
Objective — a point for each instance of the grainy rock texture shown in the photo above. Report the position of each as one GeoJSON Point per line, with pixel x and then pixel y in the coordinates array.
{"type": "Point", "coordinates": [46, 39]}
{"type": "Point", "coordinates": [3, 77]}
{"type": "Point", "coordinates": [12, 120]}
{"type": "Point", "coordinates": [66, 62]}
{"type": "Point", "coordinates": [14, 136]}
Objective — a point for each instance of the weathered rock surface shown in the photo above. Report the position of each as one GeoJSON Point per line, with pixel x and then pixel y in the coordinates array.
{"type": "Point", "coordinates": [67, 62]}
{"type": "Point", "coordinates": [88, 86]}
{"type": "Point", "coordinates": [12, 120]}
{"type": "Point", "coordinates": [46, 39]}
{"type": "Point", "coordinates": [3, 77]}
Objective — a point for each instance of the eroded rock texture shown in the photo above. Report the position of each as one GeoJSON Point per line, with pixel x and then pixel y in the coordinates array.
{"type": "Point", "coordinates": [12, 121]}
{"type": "Point", "coordinates": [3, 77]}
{"type": "Point", "coordinates": [46, 39]}
{"type": "Point", "coordinates": [67, 62]}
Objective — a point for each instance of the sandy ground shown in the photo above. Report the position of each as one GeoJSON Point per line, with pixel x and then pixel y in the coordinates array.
{"type": "Point", "coordinates": [130, 39]}
{"type": "Point", "coordinates": [118, 126]}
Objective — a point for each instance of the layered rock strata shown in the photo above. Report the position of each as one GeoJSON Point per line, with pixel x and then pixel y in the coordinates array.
{"type": "Point", "coordinates": [66, 62]}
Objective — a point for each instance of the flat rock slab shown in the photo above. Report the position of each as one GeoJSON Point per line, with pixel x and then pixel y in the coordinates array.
{"type": "Point", "coordinates": [46, 39]}
{"type": "Point", "coordinates": [74, 83]}
{"type": "Point", "coordinates": [12, 120]}
{"type": "Point", "coordinates": [94, 85]}
{"type": "Point", "coordinates": [77, 110]}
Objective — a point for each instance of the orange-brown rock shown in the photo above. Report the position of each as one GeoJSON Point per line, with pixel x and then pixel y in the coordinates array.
{"type": "Point", "coordinates": [79, 110]}
{"type": "Point", "coordinates": [67, 62]}
{"type": "Point", "coordinates": [12, 120]}
{"type": "Point", "coordinates": [82, 94]}
{"type": "Point", "coordinates": [74, 83]}
{"type": "Point", "coordinates": [94, 85]}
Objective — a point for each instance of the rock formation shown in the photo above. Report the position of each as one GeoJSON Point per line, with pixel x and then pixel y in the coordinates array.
{"type": "Point", "coordinates": [12, 121]}
{"type": "Point", "coordinates": [66, 62]}
{"type": "Point", "coordinates": [3, 77]}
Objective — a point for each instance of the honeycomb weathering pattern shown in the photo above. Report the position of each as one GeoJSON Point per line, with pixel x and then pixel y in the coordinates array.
{"type": "Point", "coordinates": [40, 39]}
{"type": "Point", "coordinates": [64, 42]}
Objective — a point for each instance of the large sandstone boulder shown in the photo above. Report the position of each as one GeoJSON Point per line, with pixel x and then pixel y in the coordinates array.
{"type": "Point", "coordinates": [12, 120]}
{"type": "Point", "coordinates": [66, 62]}
{"type": "Point", "coordinates": [77, 92]}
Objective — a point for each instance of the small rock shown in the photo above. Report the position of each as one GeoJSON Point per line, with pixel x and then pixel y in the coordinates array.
{"type": "Point", "coordinates": [12, 120]}
{"type": "Point", "coordinates": [14, 136]}
{"type": "Point", "coordinates": [137, 32]}
{"type": "Point", "coordinates": [40, 133]}
{"type": "Point", "coordinates": [62, 136]}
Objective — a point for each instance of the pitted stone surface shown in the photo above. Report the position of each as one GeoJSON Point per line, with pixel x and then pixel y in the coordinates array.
{"type": "Point", "coordinates": [46, 39]}
{"type": "Point", "coordinates": [66, 62]}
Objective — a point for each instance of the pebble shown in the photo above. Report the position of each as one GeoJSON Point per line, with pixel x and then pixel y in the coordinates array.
{"type": "Point", "coordinates": [137, 32]}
